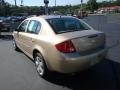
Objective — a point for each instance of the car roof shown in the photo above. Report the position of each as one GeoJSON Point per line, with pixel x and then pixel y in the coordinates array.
{"type": "Point", "coordinates": [54, 16]}
{"type": "Point", "coordinates": [51, 16]}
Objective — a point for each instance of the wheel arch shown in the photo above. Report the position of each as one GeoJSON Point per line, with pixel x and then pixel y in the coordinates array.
{"type": "Point", "coordinates": [39, 50]}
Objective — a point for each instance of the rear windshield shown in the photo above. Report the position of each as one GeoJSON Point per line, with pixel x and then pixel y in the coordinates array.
{"type": "Point", "coordinates": [62, 25]}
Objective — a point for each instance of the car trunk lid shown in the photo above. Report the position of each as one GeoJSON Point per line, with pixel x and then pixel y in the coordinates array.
{"type": "Point", "coordinates": [87, 41]}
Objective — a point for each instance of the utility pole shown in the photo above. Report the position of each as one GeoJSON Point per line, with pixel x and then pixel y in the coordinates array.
{"type": "Point", "coordinates": [55, 7]}
{"type": "Point", "coordinates": [46, 6]}
{"type": "Point", "coordinates": [21, 3]}
{"type": "Point", "coordinates": [81, 8]}
{"type": "Point", "coordinates": [55, 3]}
{"type": "Point", "coordinates": [15, 3]}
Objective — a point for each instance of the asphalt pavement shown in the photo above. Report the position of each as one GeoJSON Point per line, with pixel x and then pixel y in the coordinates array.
{"type": "Point", "coordinates": [17, 71]}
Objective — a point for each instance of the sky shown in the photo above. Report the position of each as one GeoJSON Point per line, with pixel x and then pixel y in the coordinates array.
{"type": "Point", "coordinates": [51, 2]}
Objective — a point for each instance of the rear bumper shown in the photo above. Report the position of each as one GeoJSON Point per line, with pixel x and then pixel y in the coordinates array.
{"type": "Point", "coordinates": [75, 62]}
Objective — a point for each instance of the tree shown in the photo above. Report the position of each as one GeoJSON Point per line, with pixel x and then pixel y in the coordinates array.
{"type": "Point", "coordinates": [117, 2]}
{"type": "Point", "coordinates": [92, 5]}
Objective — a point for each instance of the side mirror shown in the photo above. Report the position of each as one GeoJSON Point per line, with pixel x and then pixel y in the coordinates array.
{"type": "Point", "coordinates": [17, 29]}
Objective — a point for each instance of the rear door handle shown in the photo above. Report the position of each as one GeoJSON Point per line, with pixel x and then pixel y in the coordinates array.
{"type": "Point", "coordinates": [33, 40]}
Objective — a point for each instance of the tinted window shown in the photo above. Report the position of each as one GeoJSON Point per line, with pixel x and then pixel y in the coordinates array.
{"type": "Point", "coordinates": [34, 27]}
{"type": "Point", "coordinates": [23, 26]}
{"type": "Point", "coordinates": [61, 25]}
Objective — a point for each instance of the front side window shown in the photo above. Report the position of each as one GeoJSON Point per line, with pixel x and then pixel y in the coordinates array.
{"type": "Point", "coordinates": [23, 26]}
{"type": "Point", "coordinates": [62, 25]}
{"type": "Point", "coordinates": [34, 27]}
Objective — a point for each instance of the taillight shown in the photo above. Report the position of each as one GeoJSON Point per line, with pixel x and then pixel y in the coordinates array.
{"type": "Point", "coordinates": [65, 47]}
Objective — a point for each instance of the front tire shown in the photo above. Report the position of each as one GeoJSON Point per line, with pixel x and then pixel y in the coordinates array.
{"type": "Point", "coordinates": [41, 65]}
{"type": "Point", "coordinates": [15, 46]}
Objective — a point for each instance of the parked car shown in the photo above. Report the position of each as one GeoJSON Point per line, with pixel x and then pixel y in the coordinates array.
{"type": "Point", "coordinates": [14, 19]}
{"type": "Point", "coordinates": [4, 26]}
{"type": "Point", "coordinates": [63, 44]}
{"type": "Point", "coordinates": [80, 15]}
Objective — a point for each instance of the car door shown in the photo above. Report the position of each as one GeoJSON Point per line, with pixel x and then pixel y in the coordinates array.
{"type": "Point", "coordinates": [19, 36]}
{"type": "Point", "coordinates": [31, 35]}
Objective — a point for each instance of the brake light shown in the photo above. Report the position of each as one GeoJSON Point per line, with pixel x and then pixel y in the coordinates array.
{"type": "Point", "coordinates": [65, 47]}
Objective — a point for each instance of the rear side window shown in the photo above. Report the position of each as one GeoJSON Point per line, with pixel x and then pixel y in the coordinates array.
{"type": "Point", "coordinates": [62, 25]}
{"type": "Point", "coordinates": [34, 27]}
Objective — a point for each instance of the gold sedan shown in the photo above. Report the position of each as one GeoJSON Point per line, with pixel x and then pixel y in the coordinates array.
{"type": "Point", "coordinates": [60, 43]}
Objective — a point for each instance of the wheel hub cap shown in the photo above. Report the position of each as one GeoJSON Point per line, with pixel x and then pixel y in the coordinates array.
{"type": "Point", "coordinates": [39, 65]}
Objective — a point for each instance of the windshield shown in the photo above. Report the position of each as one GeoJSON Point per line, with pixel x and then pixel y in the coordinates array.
{"type": "Point", "coordinates": [62, 25]}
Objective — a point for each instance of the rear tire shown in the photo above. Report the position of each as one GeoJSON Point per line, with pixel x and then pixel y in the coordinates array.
{"type": "Point", "coordinates": [41, 66]}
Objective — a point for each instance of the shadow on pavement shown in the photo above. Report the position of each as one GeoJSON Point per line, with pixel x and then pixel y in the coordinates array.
{"type": "Point", "coordinates": [103, 76]}
{"type": "Point", "coordinates": [6, 37]}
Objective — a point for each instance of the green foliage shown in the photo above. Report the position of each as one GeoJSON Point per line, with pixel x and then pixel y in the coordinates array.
{"type": "Point", "coordinates": [4, 8]}
{"type": "Point", "coordinates": [117, 2]}
{"type": "Point", "coordinates": [92, 5]}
